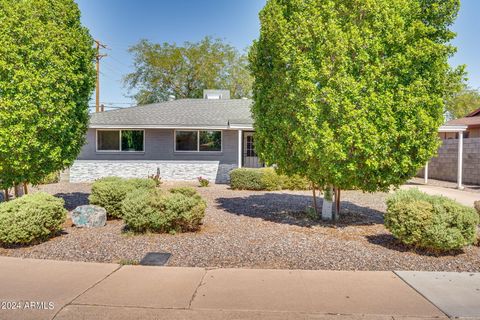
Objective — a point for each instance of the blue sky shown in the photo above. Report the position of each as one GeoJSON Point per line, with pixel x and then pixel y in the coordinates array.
{"type": "Point", "coordinates": [122, 23]}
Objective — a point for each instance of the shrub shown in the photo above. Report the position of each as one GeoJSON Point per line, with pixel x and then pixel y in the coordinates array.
{"type": "Point", "coordinates": [246, 179]}
{"type": "Point", "coordinates": [186, 191]}
{"type": "Point", "coordinates": [476, 204]}
{"type": "Point", "coordinates": [52, 177]}
{"type": "Point", "coordinates": [203, 182]}
{"type": "Point", "coordinates": [109, 192]}
{"type": "Point", "coordinates": [271, 180]}
{"type": "Point", "coordinates": [157, 211]}
{"type": "Point", "coordinates": [31, 218]}
{"type": "Point", "coordinates": [430, 222]}
{"type": "Point", "coordinates": [296, 182]}
{"type": "Point", "coordinates": [265, 179]}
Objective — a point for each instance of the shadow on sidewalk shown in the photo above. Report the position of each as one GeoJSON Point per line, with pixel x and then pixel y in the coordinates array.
{"type": "Point", "coordinates": [291, 209]}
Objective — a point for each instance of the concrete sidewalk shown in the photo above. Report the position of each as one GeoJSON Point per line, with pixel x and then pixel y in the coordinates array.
{"type": "Point", "coordinates": [43, 289]}
{"type": "Point", "coordinates": [466, 198]}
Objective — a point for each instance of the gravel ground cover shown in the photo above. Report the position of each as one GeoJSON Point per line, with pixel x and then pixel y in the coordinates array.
{"type": "Point", "coordinates": [253, 230]}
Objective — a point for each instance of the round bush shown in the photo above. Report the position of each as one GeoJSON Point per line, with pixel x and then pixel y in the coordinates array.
{"type": "Point", "coordinates": [31, 218]}
{"type": "Point", "coordinates": [109, 192]}
{"type": "Point", "coordinates": [246, 179]}
{"type": "Point", "coordinates": [265, 179]}
{"type": "Point", "coordinates": [157, 211]}
{"type": "Point", "coordinates": [430, 222]}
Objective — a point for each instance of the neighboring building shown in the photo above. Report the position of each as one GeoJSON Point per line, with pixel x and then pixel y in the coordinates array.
{"type": "Point", "coordinates": [472, 121]}
{"type": "Point", "coordinates": [184, 139]}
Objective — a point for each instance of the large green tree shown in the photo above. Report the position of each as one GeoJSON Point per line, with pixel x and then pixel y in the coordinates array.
{"type": "Point", "coordinates": [184, 71]}
{"type": "Point", "coordinates": [462, 103]}
{"type": "Point", "coordinates": [46, 79]}
{"type": "Point", "coordinates": [350, 93]}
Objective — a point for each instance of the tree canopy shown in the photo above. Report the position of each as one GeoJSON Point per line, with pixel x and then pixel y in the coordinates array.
{"type": "Point", "coordinates": [46, 80]}
{"type": "Point", "coordinates": [184, 71]}
{"type": "Point", "coordinates": [462, 103]}
{"type": "Point", "coordinates": [350, 93]}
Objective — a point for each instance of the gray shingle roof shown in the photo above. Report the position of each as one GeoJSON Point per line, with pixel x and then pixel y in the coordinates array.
{"type": "Point", "coordinates": [178, 113]}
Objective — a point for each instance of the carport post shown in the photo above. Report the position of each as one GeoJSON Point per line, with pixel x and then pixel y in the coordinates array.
{"type": "Point", "coordinates": [460, 160]}
{"type": "Point", "coordinates": [240, 142]}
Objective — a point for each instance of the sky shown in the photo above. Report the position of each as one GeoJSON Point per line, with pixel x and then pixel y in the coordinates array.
{"type": "Point", "coordinates": [120, 24]}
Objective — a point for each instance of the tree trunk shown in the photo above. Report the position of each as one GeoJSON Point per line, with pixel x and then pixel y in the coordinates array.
{"type": "Point", "coordinates": [25, 188]}
{"type": "Point", "coordinates": [314, 200]}
{"type": "Point", "coordinates": [327, 204]}
{"type": "Point", "coordinates": [337, 203]}
{"type": "Point", "coordinates": [15, 190]}
{"type": "Point", "coordinates": [7, 196]}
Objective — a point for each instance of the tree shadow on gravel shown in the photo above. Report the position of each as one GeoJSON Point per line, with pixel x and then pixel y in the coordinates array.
{"type": "Point", "coordinates": [292, 209]}
{"type": "Point", "coordinates": [388, 241]}
{"type": "Point", "coordinates": [73, 199]}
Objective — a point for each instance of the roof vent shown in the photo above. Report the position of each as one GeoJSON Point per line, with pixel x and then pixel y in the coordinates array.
{"type": "Point", "coordinates": [216, 94]}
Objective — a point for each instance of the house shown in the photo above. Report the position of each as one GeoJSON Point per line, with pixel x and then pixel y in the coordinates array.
{"type": "Point", "coordinates": [472, 121]}
{"type": "Point", "coordinates": [183, 139]}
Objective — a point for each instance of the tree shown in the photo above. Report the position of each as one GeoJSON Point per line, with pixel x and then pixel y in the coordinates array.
{"type": "Point", "coordinates": [184, 71]}
{"type": "Point", "coordinates": [349, 93]}
{"type": "Point", "coordinates": [46, 79]}
{"type": "Point", "coordinates": [462, 103]}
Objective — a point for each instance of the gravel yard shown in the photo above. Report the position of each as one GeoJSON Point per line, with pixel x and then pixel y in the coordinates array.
{"type": "Point", "coordinates": [253, 230]}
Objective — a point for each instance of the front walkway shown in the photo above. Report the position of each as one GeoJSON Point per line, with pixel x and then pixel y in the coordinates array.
{"type": "Point", "coordinates": [44, 289]}
{"type": "Point", "coordinates": [464, 197]}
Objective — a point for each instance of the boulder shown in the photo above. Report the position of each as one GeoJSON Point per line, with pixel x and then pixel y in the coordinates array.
{"type": "Point", "coordinates": [89, 216]}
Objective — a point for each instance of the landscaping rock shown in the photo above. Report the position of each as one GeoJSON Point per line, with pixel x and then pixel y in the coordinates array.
{"type": "Point", "coordinates": [89, 216]}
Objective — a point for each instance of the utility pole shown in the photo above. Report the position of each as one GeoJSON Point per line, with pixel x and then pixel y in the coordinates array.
{"type": "Point", "coordinates": [98, 56]}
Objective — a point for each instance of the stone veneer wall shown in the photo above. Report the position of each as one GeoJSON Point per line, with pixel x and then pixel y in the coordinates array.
{"type": "Point", "coordinates": [90, 170]}
{"type": "Point", "coordinates": [444, 166]}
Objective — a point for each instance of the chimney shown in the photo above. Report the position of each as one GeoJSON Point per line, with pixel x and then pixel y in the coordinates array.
{"type": "Point", "coordinates": [216, 94]}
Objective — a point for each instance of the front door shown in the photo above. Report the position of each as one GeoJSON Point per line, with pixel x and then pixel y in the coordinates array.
{"type": "Point", "coordinates": [250, 159]}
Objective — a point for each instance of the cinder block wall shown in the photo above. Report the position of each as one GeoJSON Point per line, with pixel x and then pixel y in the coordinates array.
{"type": "Point", "coordinates": [444, 166]}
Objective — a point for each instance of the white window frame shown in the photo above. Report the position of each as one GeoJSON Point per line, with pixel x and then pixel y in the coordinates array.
{"type": "Point", "coordinates": [198, 141]}
{"type": "Point", "coordinates": [119, 140]}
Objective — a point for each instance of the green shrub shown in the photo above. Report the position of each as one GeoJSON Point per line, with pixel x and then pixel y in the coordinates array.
{"type": "Point", "coordinates": [246, 179]}
{"type": "Point", "coordinates": [52, 177]}
{"type": "Point", "coordinates": [203, 182]}
{"type": "Point", "coordinates": [476, 204]}
{"type": "Point", "coordinates": [109, 192]}
{"type": "Point", "coordinates": [296, 182]}
{"type": "Point", "coordinates": [31, 218]}
{"type": "Point", "coordinates": [186, 191]}
{"type": "Point", "coordinates": [430, 222]}
{"type": "Point", "coordinates": [157, 211]}
{"type": "Point", "coordinates": [265, 179]}
{"type": "Point", "coordinates": [271, 180]}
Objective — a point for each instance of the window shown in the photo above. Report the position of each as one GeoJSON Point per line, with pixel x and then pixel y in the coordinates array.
{"type": "Point", "coordinates": [132, 140]}
{"type": "Point", "coordinates": [250, 147]}
{"type": "Point", "coordinates": [108, 140]}
{"type": "Point", "coordinates": [198, 140]}
{"type": "Point", "coordinates": [186, 140]}
{"type": "Point", "coordinates": [120, 140]}
{"type": "Point", "coordinates": [210, 141]}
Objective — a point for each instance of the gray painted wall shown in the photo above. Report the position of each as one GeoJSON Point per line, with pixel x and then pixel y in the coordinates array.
{"type": "Point", "coordinates": [159, 145]}
{"type": "Point", "coordinates": [444, 166]}
{"type": "Point", "coordinates": [159, 154]}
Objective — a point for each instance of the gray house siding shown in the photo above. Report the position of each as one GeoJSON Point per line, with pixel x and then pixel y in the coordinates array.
{"type": "Point", "coordinates": [159, 153]}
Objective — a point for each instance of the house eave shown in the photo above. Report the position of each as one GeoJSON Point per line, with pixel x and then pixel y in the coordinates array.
{"type": "Point", "coordinates": [155, 126]}
{"type": "Point", "coordinates": [448, 128]}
